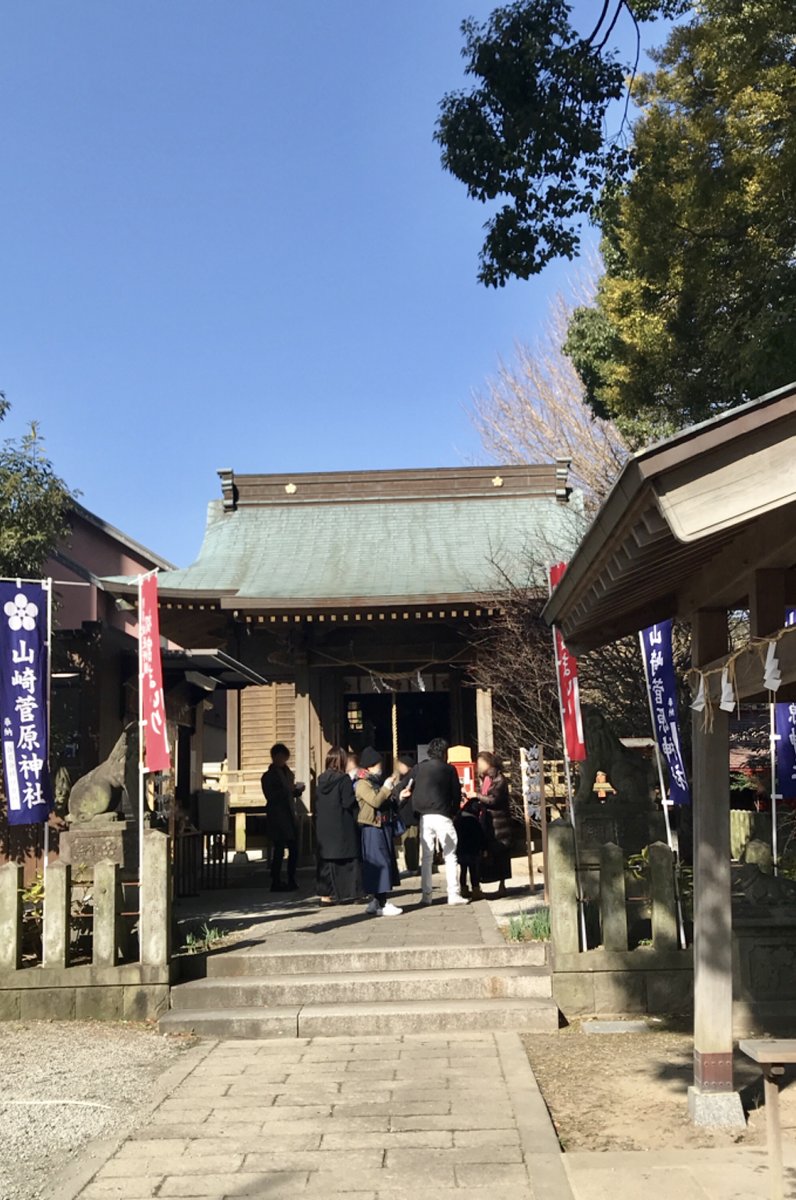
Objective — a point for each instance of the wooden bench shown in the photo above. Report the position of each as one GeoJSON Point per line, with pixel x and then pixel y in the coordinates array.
{"type": "Point", "coordinates": [773, 1054]}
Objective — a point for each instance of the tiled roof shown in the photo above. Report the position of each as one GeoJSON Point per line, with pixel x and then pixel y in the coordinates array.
{"type": "Point", "coordinates": [312, 541]}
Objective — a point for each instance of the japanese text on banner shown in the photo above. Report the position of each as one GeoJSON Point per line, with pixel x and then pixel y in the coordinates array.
{"type": "Point", "coordinates": [23, 701]}
{"type": "Point", "coordinates": [567, 668]}
{"type": "Point", "coordinates": [153, 705]}
{"type": "Point", "coordinates": [662, 687]}
{"type": "Point", "coordinates": [785, 720]}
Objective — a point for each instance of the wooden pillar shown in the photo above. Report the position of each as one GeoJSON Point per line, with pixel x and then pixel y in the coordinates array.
{"type": "Point", "coordinates": [483, 718]}
{"type": "Point", "coordinates": [302, 752]}
{"type": "Point", "coordinates": [712, 1100]}
{"type": "Point", "coordinates": [233, 730]}
{"type": "Point", "coordinates": [767, 602]}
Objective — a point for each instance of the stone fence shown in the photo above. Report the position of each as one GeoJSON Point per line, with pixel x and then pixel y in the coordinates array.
{"type": "Point", "coordinates": [42, 975]}
{"type": "Point", "coordinates": [656, 976]}
{"type": "Point", "coordinates": [609, 977]}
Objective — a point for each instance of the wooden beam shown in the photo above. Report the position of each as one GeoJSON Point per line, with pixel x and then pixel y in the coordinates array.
{"type": "Point", "coordinates": [769, 542]}
{"type": "Point", "coordinates": [766, 602]}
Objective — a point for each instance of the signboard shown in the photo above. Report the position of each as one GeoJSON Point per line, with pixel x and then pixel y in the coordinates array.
{"type": "Point", "coordinates": [567, 668]}
{"type": "Point", "coordinates": [24, 687]}
{"type": "Point", "coordinates": [656, 649]}
{"type": "Point", "coordinates": [153, 706]}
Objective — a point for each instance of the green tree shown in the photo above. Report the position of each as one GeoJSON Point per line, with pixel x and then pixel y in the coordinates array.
{"type": "Point", "coordinates": [34, 503]}
{"type": "Point", "coordinates": [531, 132]}
{"type": "Point", "coordinates": [696, 310]}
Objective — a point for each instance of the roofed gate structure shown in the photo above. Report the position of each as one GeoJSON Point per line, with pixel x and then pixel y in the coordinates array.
{"type": "Point", "coordinates": [351, 591]}
{"type": "Point", "coordinates": [697, 527]}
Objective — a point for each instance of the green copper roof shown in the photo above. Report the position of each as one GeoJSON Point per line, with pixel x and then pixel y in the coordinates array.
{"type": "Point", "coordinates": [378, 537]}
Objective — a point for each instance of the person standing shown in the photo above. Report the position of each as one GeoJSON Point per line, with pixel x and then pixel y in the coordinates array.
{"type": "Point", "coordinates": [436, 796]}
{"type": "Point", "coordinates": [472, 844]}
{"type": "Point", "coordinates": [379, 868]}
{"type": "Point", "coordinates": [493, 795]}
{"type": "Point", "coordinates": [337, 832]}
{"type": "Point", "coordinates": [402, 805]}
{"type": "Point", "coordinates": [280, 790]}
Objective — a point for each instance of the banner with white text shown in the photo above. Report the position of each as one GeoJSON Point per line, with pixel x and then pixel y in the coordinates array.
{"type": "Point", "coordinates": [24, 613]}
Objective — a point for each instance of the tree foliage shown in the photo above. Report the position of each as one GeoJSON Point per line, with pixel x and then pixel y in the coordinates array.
{"type": "Point", "coordinates": [531, 132]}
{"type": "Point", "coordinates": [34, 503]}
{"type": "Point", "coordinates": [696, 310]}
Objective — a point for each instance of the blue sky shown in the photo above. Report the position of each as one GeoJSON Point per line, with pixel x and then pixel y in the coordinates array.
{"type": "Point", "coordinates": [226, 240]}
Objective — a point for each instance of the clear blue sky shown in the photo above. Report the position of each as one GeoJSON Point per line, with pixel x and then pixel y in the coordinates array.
{"type": "Point", "coordinates": [226, 240]}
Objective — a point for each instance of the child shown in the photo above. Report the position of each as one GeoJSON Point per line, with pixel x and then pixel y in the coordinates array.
{"type": "Point", "coordinates": [472, 843]}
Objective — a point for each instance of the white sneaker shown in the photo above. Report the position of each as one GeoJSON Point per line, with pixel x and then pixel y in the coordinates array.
{"type": "Point", "coordinates": [458, 900]}
{"type": "Point", "coordinates": [390, 910]}
{"type": "Point", "coordinates": [373, 909]}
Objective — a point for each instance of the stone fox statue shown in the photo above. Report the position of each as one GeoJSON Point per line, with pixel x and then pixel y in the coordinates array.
{"type": "Point", "coordinates": [627, 771]}
{"type": "Point", "coordinates": [97, 793]}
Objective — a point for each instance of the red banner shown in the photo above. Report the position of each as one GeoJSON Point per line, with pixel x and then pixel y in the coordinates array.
{"type": "Point", "coordinates": [153, 704]}
{"type": "Point", "coordinates": [567, 667]}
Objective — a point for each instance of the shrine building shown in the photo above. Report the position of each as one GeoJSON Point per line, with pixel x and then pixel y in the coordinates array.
{"type": "Point", "coordinates": [359, 597]}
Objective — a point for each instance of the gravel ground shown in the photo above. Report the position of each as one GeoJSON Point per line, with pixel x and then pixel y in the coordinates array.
{"type": "Point", "coordinates": [627, 1091]}
{"type": "Point", "coordinates": [62, 1084]}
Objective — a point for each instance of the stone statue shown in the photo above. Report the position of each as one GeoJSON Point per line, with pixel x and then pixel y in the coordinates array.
{"type": "Point", "coordinates": [756, 883]}
{"type": "Point", "coordinates": [95, 798]}
{"type": "Point", "coordinates": [629, 773]}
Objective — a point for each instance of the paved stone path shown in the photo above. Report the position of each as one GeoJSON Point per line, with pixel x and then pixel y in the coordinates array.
{"type": "Point", "coordinates": [376, 1118]}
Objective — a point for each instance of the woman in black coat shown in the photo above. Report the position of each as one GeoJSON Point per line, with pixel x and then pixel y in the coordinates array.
{"type": "Point", "coordinates": [493, 793]}
{"type": "Point", "coordinates": [339, 874]}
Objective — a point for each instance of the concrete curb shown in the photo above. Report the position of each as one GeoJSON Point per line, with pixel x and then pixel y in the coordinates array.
{"type": "Point", "coordinates": [82, 1169]}
{"type": "Point", "coordinates": [540, 1146]}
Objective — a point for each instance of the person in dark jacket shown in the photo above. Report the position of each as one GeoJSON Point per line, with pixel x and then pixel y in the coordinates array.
{"type": "Point", "coordinates": [379, 868]}
{"type": "Point", "coordinates": [472, 844]}
{"type": "Point", "coordinates": [436, 796]}
{"type": "Point", "coordinates": [281, 790]}
{"type": "Point", "coordinates": [402, 804]}
{"type": "Point", "coordinates": [493, 795]}
{"type": "Point", "coordinates": [337, 831]}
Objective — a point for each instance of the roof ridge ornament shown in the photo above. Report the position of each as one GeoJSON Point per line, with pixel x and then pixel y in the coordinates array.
{"type": "Point", "coordinates": [229, 493]}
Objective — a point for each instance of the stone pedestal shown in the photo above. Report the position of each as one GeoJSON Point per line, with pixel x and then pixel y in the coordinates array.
{"type": "Point", "coordinates": [83, 846]}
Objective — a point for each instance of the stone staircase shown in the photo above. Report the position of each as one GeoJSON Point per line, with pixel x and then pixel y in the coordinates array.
{"type": "Point", "coordinates": [254, 993]}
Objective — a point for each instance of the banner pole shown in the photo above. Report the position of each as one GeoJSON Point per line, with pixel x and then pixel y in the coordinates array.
{"type": "Point", "coordinates": [141, 773]}
{"type": "Point", "coordinates": [47, 584]}
{"type": "Point", "coordinates": [662, 786]}
{"type": "Point", "coordinates": [568, 776]}
{"type": "Point", "coordinates": [773, 739]}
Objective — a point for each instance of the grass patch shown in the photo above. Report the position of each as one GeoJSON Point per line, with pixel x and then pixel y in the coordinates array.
{"type": "Point", "coordinates": [530, 926]}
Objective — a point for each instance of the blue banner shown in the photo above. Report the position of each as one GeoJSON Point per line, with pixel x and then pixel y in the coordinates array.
{"type": "Point", "coordinates": [23, 702]}
{"type": "Point", "coordinates": [785, 722]}
{"type": "Point", "coordinates": [656, 644]}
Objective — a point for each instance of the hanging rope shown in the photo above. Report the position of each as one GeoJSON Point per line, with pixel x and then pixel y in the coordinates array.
{"type": "Point", "coordinates": [394, 730]}
{"type": "Point", "coordinates": [699, 679]}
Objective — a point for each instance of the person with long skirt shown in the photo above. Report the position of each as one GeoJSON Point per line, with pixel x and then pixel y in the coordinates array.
{"type": "Point", "coordinates": [339, 874]}
{"type": "Point", "coordinates": [493, 796]}
{"type": "Point", "coordinates": [379, 866]}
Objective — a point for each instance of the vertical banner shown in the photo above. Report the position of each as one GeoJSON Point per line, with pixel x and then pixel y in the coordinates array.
{"type": "Point", "coordinates": [153, 704]}
{"type": "Point", "coordinates": [785, 739]}
{"type": "Point", "coordinates": [567, 668]}
{"type": "Point", "coordinates": [24, 683]}
{"type": "Point", "coordinates": [656, 649]}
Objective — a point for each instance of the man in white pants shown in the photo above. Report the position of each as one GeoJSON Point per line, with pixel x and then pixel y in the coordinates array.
{"type": "Point", "coordinates": [436, 796]}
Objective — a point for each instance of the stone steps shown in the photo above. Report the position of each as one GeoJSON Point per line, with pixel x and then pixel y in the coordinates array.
{"type": "Point", "coordinates": [277, 991]}
{"type": "Point", "coordinates": [535, 1015]}
{"type": "Point", "coordinates": [259, 962]}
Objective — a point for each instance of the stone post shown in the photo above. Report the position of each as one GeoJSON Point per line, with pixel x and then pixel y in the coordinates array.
{"type": "Point", "coordinates": [11, 884]}
{"type": "Point", "coordinates": [613, 904]}
{"type": "Point", "coordinates": [57, 905]}
{"type": "Point", "coordinates": [563, 888]}
{"type": "Point", "coordinates": [712, 1100]}
{"type": "Point", "coordinates": [106, 920]}
{"type": "Point", "coordinates": [154, 922]}
{"type": "Point", "coordinates": [664, 906]}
